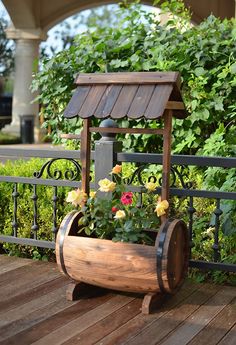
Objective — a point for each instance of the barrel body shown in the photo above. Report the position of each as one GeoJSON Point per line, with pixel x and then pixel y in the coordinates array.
{"type": "Point", "coordinates": [123, 266]}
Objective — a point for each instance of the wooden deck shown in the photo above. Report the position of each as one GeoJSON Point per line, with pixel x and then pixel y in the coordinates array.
{"type": "Point", "coordinates": [33, 310]}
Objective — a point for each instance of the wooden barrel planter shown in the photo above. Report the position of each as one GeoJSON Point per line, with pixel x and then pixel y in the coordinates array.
{"type": "Point", "coordinates": [124, 266]}
{"type": "Point", "coordinates": [154, 270]}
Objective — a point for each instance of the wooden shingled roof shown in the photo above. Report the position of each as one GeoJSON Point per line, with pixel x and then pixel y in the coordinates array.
{"type": "Point", "coordinates": [131, 94]}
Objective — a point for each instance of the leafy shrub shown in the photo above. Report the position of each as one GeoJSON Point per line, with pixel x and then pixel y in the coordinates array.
{"type": "Point", "coordinates": [207, 64]}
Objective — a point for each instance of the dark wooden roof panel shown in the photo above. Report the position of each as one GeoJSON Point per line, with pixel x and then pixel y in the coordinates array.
{"type": "Point", "coordinates": [76, 101]}
{"type": "Point", "coordinates": [140, 101]}
{"type": "Point", "coordinates": [158, 101]}
{"type": "Point", "coordinates": [124, 100]}
{"type": "Point", "coordinates": [107, 101]}
{"type": "Point", "coordinates": [133, 94]}
{"type": "Point", "coordinates": [91, 102]}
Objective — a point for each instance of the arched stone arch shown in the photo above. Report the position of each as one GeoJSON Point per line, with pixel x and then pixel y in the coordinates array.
{"type": "Point", "coordinates": [57, 15]}
{"type": "Point", "coordinates": [45, 14]}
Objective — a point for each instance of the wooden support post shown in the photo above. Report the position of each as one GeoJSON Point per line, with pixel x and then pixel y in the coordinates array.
{"type": "Point", "coordinates": [165, 190]}
{"type": "Point", "coordinates": [85, 155]}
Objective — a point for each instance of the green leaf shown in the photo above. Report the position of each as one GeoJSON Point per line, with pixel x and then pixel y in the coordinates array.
{"type": "Point", "coordinates": [199, 71]}
{"type": "Point", "coordinates": [233, 68]}
{"type": "Point", "coordinates": [87, 231]}
{"type": "Point", "coordinates": [194, 104]}
{"type": "Point", "coordinates": [219, 105]}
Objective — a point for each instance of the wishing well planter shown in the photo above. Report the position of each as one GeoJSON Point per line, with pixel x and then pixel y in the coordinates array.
{"type": "Point", "coordinates": [153, 270]}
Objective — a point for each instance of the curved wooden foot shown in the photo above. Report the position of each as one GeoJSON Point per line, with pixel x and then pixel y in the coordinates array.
{"type": "Point", "coordinates": [75, 290]}
{"type": "Point", "coordinates": [152, 301]}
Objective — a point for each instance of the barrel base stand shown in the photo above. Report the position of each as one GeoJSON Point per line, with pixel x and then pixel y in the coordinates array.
{"type": "Point", "coordinates": [151, 301]}
{"type": "Point", "coordinates": [75, 290]}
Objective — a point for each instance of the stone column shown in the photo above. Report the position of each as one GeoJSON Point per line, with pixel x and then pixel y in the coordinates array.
{"type": "Point", "coordinates": [26, 62]}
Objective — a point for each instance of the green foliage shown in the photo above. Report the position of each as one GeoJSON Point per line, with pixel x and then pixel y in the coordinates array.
{"type": "Point", "coordinates": [63, 33]}
{"type": "Point", "coordinates": [139, 43]}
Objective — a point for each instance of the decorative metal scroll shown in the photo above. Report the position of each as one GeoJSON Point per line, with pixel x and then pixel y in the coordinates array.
{"type": "Point", "coordinates": [71, 174]}
{"type": "Point", "coordinates": [178, 173]}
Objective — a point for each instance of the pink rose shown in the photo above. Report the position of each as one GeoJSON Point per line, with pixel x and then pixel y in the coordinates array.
{"type": "Point", "coordinates": [127, 198]}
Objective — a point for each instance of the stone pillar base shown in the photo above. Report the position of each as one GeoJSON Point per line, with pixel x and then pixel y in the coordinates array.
{"type": "Point", "coordinates": [14, 129]}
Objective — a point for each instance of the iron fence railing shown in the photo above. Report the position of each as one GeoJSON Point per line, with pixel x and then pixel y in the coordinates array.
{"type": "Point", "coordinates": [106, 154]}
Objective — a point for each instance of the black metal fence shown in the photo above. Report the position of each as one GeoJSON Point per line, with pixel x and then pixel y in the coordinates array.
{"type": "Point", "coordinates": [106, 154]}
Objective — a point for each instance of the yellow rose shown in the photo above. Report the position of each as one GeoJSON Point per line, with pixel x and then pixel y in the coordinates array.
{"type": "Point", "coordinates": [120, 214]}
{"type": "Point", "coordinates": [92, 195]}
{"type": "Point", "coordinates": [161, 207]}
{"type": "Point", "coordinates": [76, 197]}
{"type": "Point", "coordinates": [117, 169]}
{"type": "Point", "coordinates": [151, 186]}
{"type": "Point", "coordinates": [106, 185]}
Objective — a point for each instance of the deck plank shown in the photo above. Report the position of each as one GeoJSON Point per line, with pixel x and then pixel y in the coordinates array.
{"type": "Point", "coordinates": [26, 278]}
{"type": "Point", "coordinates": [217, 328]}
{"type": "Point", "coordinates": [107, 325]}
{"type": "Point", "coordinates": [22, 311]}
{"type": "Point", "coordinates": [25, 317]}
{"type": "Point", "coordinates": [10, 263]}
{"type": "Point", "coordinates": [230, 338]}
{"type": "Point", "coordinates": [200, 318]}
{"type": "Point", "coordinates": [54, 316]}
{"type": "Point", "coordinates": [27, 295]}
{"type": "Point", "coordinates": [70, 329]}
{"type": "Point", "coordinates": [34, 310]}
{"type": "Point", "coordinates": [135, 325]}
{"type": "Point", "coordinates": [160, 328]}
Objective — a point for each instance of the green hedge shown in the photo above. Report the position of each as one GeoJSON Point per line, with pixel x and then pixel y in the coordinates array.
{"type": "Point", "coordinates": [25, 206]}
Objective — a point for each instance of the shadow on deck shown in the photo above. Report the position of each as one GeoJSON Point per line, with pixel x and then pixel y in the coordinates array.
{"type": "Point", "coordinates": [34, 310]}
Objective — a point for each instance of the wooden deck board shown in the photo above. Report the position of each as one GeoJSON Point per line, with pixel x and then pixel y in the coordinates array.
{"type": "Point", "coordinates": [200, 318]}
{"type": "Point", "coordinates": [11, 263]}
{"type": "Point", "coordinates": [229, 338]}
{"type": "Point", "coordinates": [34, 310]}
{"type": "Point", "coordinates": [160, 328]}
{"type": "Point", "coordinates": [218, 327]}
{"type": "Point", "coordinates": [105, 326]}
